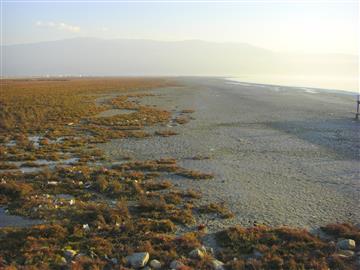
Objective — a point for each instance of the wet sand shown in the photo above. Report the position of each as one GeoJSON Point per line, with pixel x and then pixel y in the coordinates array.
{"type": "Point", "coordinates": [280, 155]}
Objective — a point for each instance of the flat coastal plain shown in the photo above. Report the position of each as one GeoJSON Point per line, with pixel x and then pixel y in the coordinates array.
{"type": "Point", "coordinates": [280, 155]}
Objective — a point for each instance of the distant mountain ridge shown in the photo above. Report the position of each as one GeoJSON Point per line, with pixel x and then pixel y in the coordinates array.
{"type": "Point", "coordinates": [136, 57]}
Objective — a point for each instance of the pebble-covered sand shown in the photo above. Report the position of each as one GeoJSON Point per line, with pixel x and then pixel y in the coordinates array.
{"type": "Point", "coordinates": [280, 155]}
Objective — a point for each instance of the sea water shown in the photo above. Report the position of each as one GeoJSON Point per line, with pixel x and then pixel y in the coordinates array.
{"type": "Point", "coordinates": [346, 84]}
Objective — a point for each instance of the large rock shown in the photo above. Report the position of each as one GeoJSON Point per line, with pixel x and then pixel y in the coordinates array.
{"type": "Point", "coordinates": [155, 264]}
{"type": "Point", "coordinates": [346, 244]}
{"type": "Point", "coordinates": [138, 260]}
{"type": "Point", "coordinates": [217, 265]}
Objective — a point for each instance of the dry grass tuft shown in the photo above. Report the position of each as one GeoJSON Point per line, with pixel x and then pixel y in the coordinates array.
{"type": "Point", "coordinates": [218, 208]}
{"type": "Point", "coordinates": [188, 111]}
{"type": "Point", "coordinates": [195, 174]}
{"type": "Point", "coordinates": [182, 120]}
{"type": "Point", "coordinates": [166, 133]}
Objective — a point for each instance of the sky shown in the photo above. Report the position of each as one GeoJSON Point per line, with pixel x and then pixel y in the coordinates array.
{"type": "Point", "coordinates": [298, 25]}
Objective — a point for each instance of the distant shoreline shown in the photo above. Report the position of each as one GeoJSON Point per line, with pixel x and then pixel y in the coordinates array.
{"type": "Point", "coordinates": [293, 82]}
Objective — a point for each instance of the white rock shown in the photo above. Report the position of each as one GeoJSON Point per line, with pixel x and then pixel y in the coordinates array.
{"type": "Point", "coordinates": [346, 244]}
{"type": "Point", "coordinates": [217, 265]}
{"type": "Point", "coordinates": [86, 227]}
{"type": "Point", "coordinates": [203, 249]}
{"type": "Point", "coordinates": [138, 260]}
{"type": "Point", "coordinates": [196, 254]}
{"type": "Point", "coordinates": [345, 253]}
{"type": "Point", "coordinates": [52, 183]}
{"type": "Point", "coordinates": [155, 264]}
{"type": "Point", "coordinates": [87, 185]}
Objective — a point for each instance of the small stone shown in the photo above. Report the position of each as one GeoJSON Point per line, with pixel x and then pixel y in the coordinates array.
{"type": "Point", "coordinates": [346, 244]}
{"type": "Point", "coordinates": [155, 264]}
{"type": "Point", "coordinates": [78, 256]}
{"type": "Point", "coordinates": [196, 254]}
{"type": "Point", "coordinates": [52, 183]}
{"type": "Point", "coordinates": [114, 261]}
{"type": "Point", "coordinates": [176, 265]}
{"type": "Point", "coordinates": [69, 253]}
{"type": "Point", "coordinates": [146, 268]}
{"type": "Point", "coordinates": [203, 249]}
{"type": "Point", "coordinates": [345, 253]}
{"type": "Point", "coordinates": [87, 185]}
{"type": "Point", "coordinates": [86, 227]}
{"type": "Point", "coordinates": [138, 260]}
{"type": "Point", "coordinates": [217, 265]}
{"type": "Point", "coordinates": [257, 254]}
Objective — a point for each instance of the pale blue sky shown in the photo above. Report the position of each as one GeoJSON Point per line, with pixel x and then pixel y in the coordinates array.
{"type": "Point", "coordinates": [293, 26]}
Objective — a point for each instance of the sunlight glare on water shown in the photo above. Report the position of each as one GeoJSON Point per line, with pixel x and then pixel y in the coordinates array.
{"type": "Point", "coordinates": [348, 84]}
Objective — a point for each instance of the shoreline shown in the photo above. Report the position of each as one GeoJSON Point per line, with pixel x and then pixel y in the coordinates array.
{"type": "Point", "coordinates": [296, 150]}
{"type": "Point", "coordinates": [293, 84]}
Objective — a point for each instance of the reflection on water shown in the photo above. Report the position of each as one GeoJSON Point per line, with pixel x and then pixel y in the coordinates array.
{"type": "Point", "coordinates": [22, 166]}
{"type": "Point", "coordinates": [349, 84]}
{"type": "Point", "coordinates": [7, 220]}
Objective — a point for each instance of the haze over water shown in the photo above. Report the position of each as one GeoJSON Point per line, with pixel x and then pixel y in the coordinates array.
{"type": "Point", "coordinates": [346, 84]}
{"type": "Point", "coordinates": [291, 42]}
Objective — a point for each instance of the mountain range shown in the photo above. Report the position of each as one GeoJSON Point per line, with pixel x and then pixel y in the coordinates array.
{"type": "Point", "coordinates": [136, 57]}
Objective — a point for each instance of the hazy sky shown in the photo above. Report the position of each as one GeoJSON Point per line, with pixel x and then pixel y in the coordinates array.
{"type": "Point", "coordinates": [313, 26]}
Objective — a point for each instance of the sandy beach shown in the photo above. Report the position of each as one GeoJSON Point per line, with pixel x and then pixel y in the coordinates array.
{"type": "Point", "coordinates": [280, 155]}
{"type": "Point", "coordinates": [178, 173]}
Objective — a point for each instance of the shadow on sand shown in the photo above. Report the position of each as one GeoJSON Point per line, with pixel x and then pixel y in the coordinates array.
{"type": "Point", "coordinates": [339, 135]}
